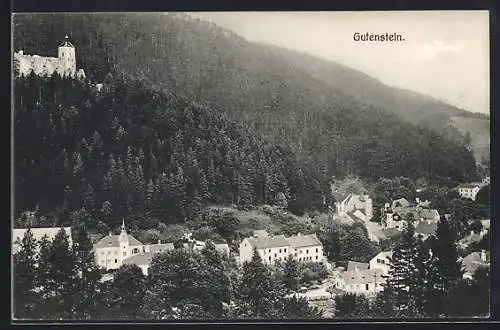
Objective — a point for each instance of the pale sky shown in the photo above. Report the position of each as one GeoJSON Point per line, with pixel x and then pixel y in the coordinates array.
{"type": "Point", "coordinates": [444, 55]}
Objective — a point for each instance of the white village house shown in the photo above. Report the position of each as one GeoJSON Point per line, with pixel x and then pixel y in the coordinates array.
{"type": "Point", "coordinates": [365, 278]}
{"type": "Point", "coordinates": [111, 251]}
{"type": "Point", "coordinates": [368, 282]}
{"type": "Point", "coordinates": [469, 190]}
{"type": "Point", "coordinates": [472, 262]}
{"type": "Point", "coordinates": [381, 261]}
{"type": "Point", "coordinates": [303, 248]}
{"type": "Point", "coordinates": [353, 206]}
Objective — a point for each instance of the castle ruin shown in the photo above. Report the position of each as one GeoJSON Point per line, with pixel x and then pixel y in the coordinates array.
{"type": "Point", "coordinates": [64, 64]}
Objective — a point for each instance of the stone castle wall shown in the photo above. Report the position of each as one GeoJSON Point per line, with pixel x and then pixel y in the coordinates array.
{"type": "Point", "coordinates": [43, 66]}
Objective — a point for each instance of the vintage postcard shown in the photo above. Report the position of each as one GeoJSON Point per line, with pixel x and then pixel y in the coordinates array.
{"type": "Point", "coordinates": [221, 166]}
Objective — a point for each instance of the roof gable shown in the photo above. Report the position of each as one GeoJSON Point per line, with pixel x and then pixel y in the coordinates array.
{"type": "Point", "coordinates": [423, 227]}
{"type": "Point", "coordinates": [304, 241]}
{"type": "Point", "coordinates": [353, 265]}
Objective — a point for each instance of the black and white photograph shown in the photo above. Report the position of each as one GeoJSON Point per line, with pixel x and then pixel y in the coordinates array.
{"type": "Point", "coordinates": [250, 166]}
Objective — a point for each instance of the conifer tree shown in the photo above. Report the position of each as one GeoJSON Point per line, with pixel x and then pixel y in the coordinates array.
{"type": "Point", "coordinates": [44, 280]}
{"type": "Point", "coordinates": [403, 278]}
{"type": "Point", "coordinates": [446, 267]}
{"type": "Point", "coordinates": [87, 281]}
{"type": "Point", "coordinates": [128, 290]}
{"type": "Point", "coordinates": [63, 275]}
{"type": "Point", "coordinates": [256, 288]}
{"type": "Point", "coordinates": [25, 281]}
{"type": "Point", "coordinates": [291, 274]}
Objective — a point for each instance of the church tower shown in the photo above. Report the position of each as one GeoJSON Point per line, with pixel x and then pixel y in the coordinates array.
{"type": "Point", "coordinates": [123, 242]}
{"type": "Point", "coordinates": [66, 55]}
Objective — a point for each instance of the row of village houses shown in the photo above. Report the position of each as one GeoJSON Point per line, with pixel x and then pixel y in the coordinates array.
{"type": "Point", "coordinates": [112, 251]}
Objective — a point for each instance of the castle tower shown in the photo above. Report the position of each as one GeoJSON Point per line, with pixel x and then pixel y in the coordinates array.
{"type": "Point", "coordinates": [66, 55]}
{"type": "Point", "coordinates": [123, 242]}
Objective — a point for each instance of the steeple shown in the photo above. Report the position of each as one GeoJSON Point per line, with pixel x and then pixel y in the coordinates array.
{"type": "Point", "coordinates": [123, 226]}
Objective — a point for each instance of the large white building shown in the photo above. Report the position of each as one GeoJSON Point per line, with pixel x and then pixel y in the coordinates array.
{"type": "Point", "coordinates": [111, 251]}
{"type": "Point", "coordinates": [469, 190]}
{"type": "Point", "coordinates": [303, 248]}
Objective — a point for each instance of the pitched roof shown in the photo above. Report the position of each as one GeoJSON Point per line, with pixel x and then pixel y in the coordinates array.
{"type": "Point", "coordinates": [473, 261]}
{"type": "Point", "coordinates": [38, 233]}
{"type": "Point", "coordinates": [383, 255]}
{"type": "Point", "coordinates": [260, 233]}
{"type": "Point", "coordinates": [304, 240]}
{"type": "Point", "coordinates": [112, 241]}
{"type": "Point", "coordinates": [363, 276]}
{"type": "Point", "coordinates": [156, 248]}
{"type": "Point", "coordinates": [353, 265]}
{"type": "Point", "coordinates": [224, 248]}
{"type": "Point", "coordinates": [429, 214]}
{"type": "Point", "coordinates": [143, 259]}
{"type": "Point", "coordinates": [66, 43]}
{"type": "Point", "coordinates": [469, 185]}
{"type": "Point", "coordinates": [268, 242]}
{"type": "Point", "coordinates": [403, 202]}
{"type": "Point", "coordinates": [423, 227]}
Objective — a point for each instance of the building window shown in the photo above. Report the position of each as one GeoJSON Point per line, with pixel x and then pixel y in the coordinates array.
{"type": "Point", "coordinates": [316, 257]}
{"type": "Point", "coordinates": [307, 251]}
{"type": "Point", "coordinates": [269, 258]}
{"type": "Point", "coordinates": [295, 253]}
{"type": "Point", "coordinates": [269, 250]}
{"type": "Point", "coordinates": [280, 250]}
{"type": "Point", "coordinates": [116, 261]}
{"type": "Point", "coordinates": [275, 255]}
{"type": "Point", "coordinates": [316, 250]}
{"type": "Point", "coordinates": [285, 250]}
{"type": "Point", "coordinates": [245, 245]}
{"type": "Point", "coordinates": [367, 287]}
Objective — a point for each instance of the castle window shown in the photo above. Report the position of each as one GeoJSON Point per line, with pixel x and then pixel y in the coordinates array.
{"type": "Point", "coordinates": [116, 261]}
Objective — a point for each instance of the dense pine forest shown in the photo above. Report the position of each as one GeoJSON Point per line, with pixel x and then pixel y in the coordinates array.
{"type": "Point", "coordinates": [164, 132]}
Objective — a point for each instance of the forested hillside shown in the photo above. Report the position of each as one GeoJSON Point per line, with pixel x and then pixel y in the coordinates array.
{"type": "Point", "coordinates": [190, 115]}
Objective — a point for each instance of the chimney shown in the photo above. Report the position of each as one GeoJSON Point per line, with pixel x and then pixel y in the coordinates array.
{"type": "Point", "coordinates": [110, 234]}
{"type": "Point", "coordinates": [298, 235]}
{"type": "Point", "coordinates": [483, 255]}
{"type": "Point", "coordinates": [159, 241]}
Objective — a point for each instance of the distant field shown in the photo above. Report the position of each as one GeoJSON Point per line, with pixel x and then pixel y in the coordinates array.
{"type": "Point", "coordinates": [480, 133]}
